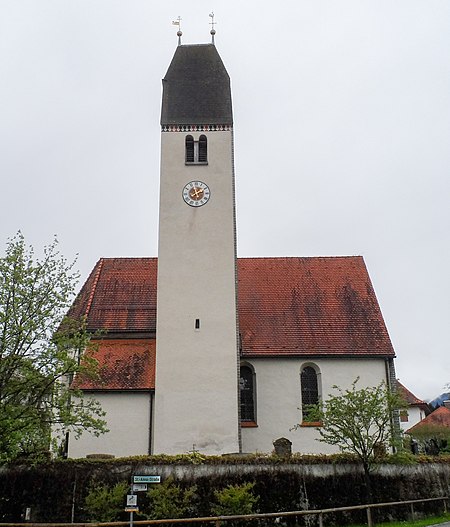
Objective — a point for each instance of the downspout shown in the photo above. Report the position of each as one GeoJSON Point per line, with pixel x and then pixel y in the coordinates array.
{"type": "Point", "coordinates": [150, 425]}
{"type": "Point", "coordinates": [391, 383]}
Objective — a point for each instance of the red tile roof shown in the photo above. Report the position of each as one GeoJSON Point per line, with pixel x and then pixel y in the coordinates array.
{"type": "Point", "coordinates": [309, 306]}
{"type": "Point", "coordinates": [408, 396]}
{"type": "Point", "coordinates": [125, 364]}
{"type": "Point", "coordinates": [119, 296]}
{"type": "Point", "coordinates": [287, 306]}
{"type": "Point", "coordinates": [440, 417]}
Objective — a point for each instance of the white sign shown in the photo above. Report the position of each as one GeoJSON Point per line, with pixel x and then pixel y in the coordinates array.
{"type": "Point", "coordinates": [146, 479]}
{"type": "Point", "coordinates": [137, 487]}
{"type": "Point", "coordinates": [132, 500]}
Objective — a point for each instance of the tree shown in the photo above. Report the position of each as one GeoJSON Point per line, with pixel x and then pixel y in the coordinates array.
{"type": "Point", "coordinates": [235, 500]}
{"type": "Point", "coordinates": [434, 438]}
{"type": "Point", "coordinates": [41, 350]}
{"type": "Point", "coordinates": [170, 500]}
{"type": "Point", "coordinates": [106, 504]}
{"type": "Point", "coordinates": [359, 421]}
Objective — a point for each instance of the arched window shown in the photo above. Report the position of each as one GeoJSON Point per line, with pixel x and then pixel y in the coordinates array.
{"type": "Point", "coordinates": [247, 389]}
{"type": "Point", "coordinates": [202, 149]}
{"type": "Point", "coordinates": [189, 149]}
{"type": "Point", "coordinates": [310, 390]}
{"type": "Point", "coordinates": [196, 151]}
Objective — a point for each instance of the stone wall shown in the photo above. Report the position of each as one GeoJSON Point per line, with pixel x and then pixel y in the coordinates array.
{"type": "Point", "coordinates": [56, 491]}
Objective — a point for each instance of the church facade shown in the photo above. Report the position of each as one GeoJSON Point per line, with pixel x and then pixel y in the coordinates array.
{"type": "Point", "coordinates": [205, 351]}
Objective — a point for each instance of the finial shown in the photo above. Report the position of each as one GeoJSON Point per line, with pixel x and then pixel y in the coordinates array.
{"type": "Point", "coordinates": [213, 31]}
{"type": "Point", "coordinates": [177, 22]}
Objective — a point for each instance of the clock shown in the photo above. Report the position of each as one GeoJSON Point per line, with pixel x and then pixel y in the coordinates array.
{"type": "Point", "coordinates": [196, 193]}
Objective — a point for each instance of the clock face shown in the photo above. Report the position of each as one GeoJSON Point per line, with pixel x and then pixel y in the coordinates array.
{"type": "Point", "coordinates": [196, 193]}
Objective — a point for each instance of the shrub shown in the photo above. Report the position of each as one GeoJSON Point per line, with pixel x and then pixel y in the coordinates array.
{"type": "Point", "coordinates": [169, 500]}
{"type": "Point", "coordinates": [235, 499]}
{"type": "Point", "coordinates": [105, 504]}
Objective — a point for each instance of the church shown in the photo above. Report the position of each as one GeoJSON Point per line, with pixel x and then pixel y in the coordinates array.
{"type": "Point", "coordinates": [201, 350]}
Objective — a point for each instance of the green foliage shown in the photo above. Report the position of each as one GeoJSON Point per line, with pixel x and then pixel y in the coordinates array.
{"type": "Point", "coordinates": [358, 421]}
{"type": "Point", "coordinates": [39, 352]}
{"type": "Point", "coordinates": [104, 503]}
{"type": "Point", "coordinates": [235, 499]}
{"type": "Point", "coordinates": [403, 457]}
{"type": "Point", "coordinates": [434, 438]}
{"type": "Point", "coordinates": [169, 500]}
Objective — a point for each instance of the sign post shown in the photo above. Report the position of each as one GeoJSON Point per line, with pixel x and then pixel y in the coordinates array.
{"type": "Point", "coordinates": [139, 483]}
{"type": "Point", "coordinates": [131, 506]}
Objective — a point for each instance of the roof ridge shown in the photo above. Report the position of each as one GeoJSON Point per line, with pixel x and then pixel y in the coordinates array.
{"type": "Point", "coordinates": [348, 256]}
{"type": "Point", "coordinates": [94, 287]}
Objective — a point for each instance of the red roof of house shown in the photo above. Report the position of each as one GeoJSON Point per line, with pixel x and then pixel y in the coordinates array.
{"type": "Point", "coordinates": [125, 364]}
{"type": "Point", "coordinates": [287, 306]}
{"type": "Point", "coordinates": [440, 417]}
{"type": "Point", "coordinates": [408, 396]}
{"type": "Point", "coordinates": [309, 306]}
{"type": "Point", "coordinates": [119, 296]}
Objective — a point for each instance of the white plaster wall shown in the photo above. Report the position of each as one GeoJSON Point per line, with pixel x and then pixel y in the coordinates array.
{"type": "Point", "coordinates": [196, 399]}
{"type": "Point", "coordinates": [415, 415]}
{"type": "Point", "coordinates": [128, 421]}
{"type": "Point", "coordinates": [278, 397]}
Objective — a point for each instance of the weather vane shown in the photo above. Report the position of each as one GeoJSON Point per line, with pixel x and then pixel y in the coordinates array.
{"type": "Point", "coordinates": [213, 31]}
{"type": "Point", "coordinates": [177, 22]}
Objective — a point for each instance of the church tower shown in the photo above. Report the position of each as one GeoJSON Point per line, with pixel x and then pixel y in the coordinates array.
{"type": "Point", "coordinates": [196, 392]}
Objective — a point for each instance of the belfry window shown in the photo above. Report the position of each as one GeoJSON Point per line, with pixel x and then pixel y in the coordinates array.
{"type": "Point", "coordinates": [196, 151]}
{"type": "Point", "coordinates": [247, 390]}
{"type": "Point", "coordinates": [310, 390]}
{"type": "Point", "coordinates": [202, 149]}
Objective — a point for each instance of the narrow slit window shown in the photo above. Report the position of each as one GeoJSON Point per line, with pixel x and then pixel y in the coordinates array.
{"type": "Point", "coordinates": [197, 323]}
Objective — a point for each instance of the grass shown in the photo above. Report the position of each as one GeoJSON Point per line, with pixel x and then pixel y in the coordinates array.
{"type": "Point", "coordinates": [424, 522]}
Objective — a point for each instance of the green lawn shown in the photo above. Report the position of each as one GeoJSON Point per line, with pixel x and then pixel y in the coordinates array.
{"type": "Point", "coordinates": [433, 520]}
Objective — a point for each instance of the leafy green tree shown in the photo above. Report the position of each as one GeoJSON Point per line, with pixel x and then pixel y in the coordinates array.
{"type": "Point", "coordinates": [360, 422]}
{"type": "Point", "coordinates": [40, 352]}
{"type": "Point", "coordinates": [235, 499]}
{"type": "Point", "coordinates": [434, 438]}
{"type": "Point", "coordinates": [106, 504]}
{"type": "Point", "coordinates": [169, 501]}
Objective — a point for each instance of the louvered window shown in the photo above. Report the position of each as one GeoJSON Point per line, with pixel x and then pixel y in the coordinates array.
{"type": "Point", "coordinates": [196, 151]}
{"type": "Point", "coordinates": [202, 149]}
{"type": "Point", "coordinates": [247, 388]}
{"type": "Point", "coordinates": [310, 390]}
{"type": "Point", "coordinates": [189, 149]}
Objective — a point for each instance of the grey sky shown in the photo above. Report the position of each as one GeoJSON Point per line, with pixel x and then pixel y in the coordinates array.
{"type": "Point", "coordinates": [342, 134]}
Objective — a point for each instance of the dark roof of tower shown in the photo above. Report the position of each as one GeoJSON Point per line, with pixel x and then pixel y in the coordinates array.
{"type": "Point", "coordinates": [196, 88]}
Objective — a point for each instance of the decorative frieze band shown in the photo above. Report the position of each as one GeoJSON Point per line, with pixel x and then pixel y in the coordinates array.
{"type": "Point", "coordinates": [196, 127]}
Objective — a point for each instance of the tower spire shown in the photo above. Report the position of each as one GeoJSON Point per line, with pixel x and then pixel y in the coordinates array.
{"type": "Point", "coordinates": [213, 31]}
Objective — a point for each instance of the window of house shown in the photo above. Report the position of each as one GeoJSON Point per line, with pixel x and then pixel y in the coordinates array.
{"type": "Point", "coordinates": [404, 416]}
{"type": "Point", "coordinates": [247, 389]}
{"type": "Point", "coordinates": [196, 151]}
{"type": "Point", "coordinates": [309, 390]}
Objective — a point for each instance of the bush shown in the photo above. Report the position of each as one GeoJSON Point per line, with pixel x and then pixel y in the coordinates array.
{"type": "Point", "coordinates": [106, 504]}
{"type": "Point", "coordinates": [169, 500]}
{"type": "Point", "coordinates": [235, 499]}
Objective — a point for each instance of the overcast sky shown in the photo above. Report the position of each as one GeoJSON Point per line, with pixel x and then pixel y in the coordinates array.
{"type": "Point", "coordinates": [342, 139]}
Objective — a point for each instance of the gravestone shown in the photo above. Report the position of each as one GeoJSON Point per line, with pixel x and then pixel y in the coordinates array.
{"type": "Point", "coordinates": [283, 447]}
